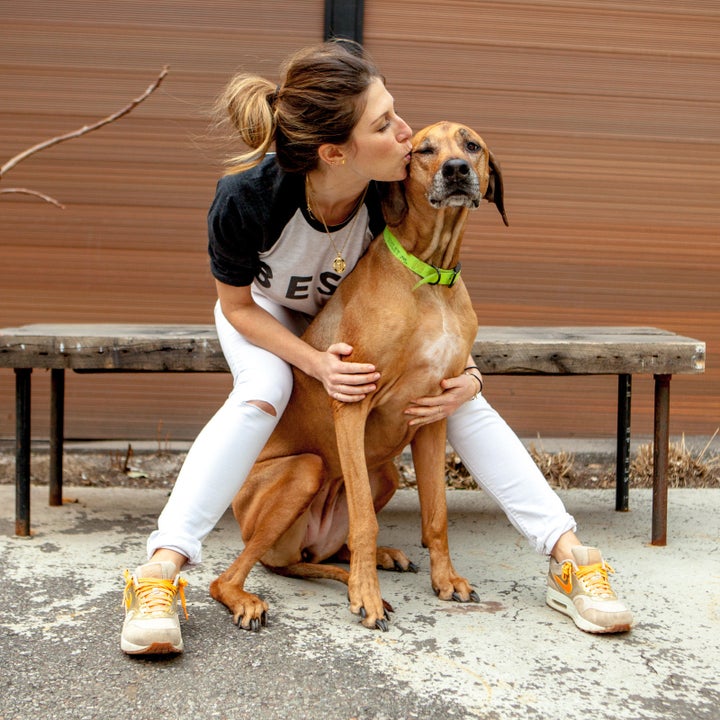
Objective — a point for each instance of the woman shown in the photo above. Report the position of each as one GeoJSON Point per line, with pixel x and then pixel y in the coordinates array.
{"type": "Point", "coordinates": [284, 230]}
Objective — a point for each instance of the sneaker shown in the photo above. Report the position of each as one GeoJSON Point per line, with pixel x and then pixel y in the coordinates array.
{"type": "Point", "coordinates": [580, 588]}
{"type": "Point", "coordinates": [151, 613]}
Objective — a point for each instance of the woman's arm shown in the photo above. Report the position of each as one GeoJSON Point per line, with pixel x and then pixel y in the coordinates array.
{"type": "Point", "coordinates": [455, 392]}
{"type": "Point", "coordinates": [345, 381]}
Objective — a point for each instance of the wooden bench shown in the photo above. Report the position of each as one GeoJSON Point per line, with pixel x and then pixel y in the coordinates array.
{"type": "Point", "coordinates": [621, 351]}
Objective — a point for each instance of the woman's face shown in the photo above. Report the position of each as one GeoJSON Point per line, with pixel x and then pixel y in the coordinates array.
{"type": "Point", "coordinates": [379, 147]}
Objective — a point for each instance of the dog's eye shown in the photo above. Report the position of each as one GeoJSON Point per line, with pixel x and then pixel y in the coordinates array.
{"type": "Point", "coordinates": [424, 150]}
{"type": "Point", "coordinates": [472, 147]}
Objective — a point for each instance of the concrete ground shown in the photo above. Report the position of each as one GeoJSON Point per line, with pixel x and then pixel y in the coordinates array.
{"type": "Point", "coordinates": [510, 656]}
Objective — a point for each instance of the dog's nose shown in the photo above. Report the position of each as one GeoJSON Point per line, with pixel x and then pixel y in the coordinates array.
{"type": "Point", "coordinates": [455, 169]}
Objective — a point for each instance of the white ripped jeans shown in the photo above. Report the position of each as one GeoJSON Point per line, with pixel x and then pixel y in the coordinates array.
{"type": "Point", "coordinates": [224, 452]}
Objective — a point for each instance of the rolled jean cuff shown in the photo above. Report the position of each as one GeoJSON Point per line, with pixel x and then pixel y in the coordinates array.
{"type": "Point", "coordinates": [186, 545]}
{"type": "Point", "coordinates": [546, 545]}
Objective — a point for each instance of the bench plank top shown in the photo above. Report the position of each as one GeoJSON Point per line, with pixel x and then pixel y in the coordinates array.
{"type": "Point", "coordinates": [113, 346]}
{"type": "Point", "coordinates": [586, 351]}
{"type": "Point", "coordinates": [498, 350]}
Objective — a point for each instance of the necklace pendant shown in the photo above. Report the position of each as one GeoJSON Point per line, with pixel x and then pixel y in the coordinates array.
{"type": "Point", "coordinates": [339, 264]}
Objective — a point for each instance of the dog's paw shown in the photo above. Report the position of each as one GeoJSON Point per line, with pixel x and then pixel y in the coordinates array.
{"type": "Point", "coordinates": [253, 624]}
{"type": "Point", "coordinates": [388, 558]}
{"type": "Point", "coordinates": [380, 623]}
{"type": "Point", "coordinates": [249, 612]}
{"type": "Point", "coordinates": [459, 591]}
{"type": "Point", "coordinates": [365, 598]}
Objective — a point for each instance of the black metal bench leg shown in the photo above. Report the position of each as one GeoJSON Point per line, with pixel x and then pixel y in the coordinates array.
{"type": "Point", "coordinates": [661, 448]}
{"type": "Point", "coordinates": [622, 472]}
{"type": "Point", "coordinates": [57, 434]}
{"type": "Point", "coordinates": [22, 451]}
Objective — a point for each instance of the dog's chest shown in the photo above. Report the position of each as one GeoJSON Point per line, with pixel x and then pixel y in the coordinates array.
{"type": "Point", "coordinates": [442, 336]}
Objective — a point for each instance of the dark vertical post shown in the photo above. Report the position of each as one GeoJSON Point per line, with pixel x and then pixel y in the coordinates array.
{"type": "Point", "coordinates": [57, 434]}
{"type": "Point", "coordinates": [22, 451]}
{"type": "Point", "coordinates": [661, 444]}
{"type": "Point", "coordinates": [344, 19]}
{"type": "Point", "coordinates": [622, 472]}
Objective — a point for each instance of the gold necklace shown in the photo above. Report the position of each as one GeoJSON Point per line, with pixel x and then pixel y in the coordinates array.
{"type": "Point", "coordinates": [339, 264]}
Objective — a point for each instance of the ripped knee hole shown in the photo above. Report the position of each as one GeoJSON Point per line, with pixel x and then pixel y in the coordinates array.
{"type": "Point", "coordinates": [264, 406]}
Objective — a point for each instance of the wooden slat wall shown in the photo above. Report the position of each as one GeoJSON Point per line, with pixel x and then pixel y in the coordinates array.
{"type": "Point", "coordinates": [604, 117]}
{"type": "Point", "coordinates": [131, 245]}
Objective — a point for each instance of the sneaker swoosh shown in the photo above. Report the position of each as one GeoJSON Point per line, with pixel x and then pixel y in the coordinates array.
{"type": "Point", "coordinates": [565, 586]}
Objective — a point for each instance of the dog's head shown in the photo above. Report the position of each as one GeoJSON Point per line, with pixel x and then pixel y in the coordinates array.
{"type": "Point", "coordinates": [450, 166]}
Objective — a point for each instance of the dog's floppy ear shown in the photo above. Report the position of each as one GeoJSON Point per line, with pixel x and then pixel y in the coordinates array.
{"type": "Point", "coordinates": [494, 193]}
{"type": "Point", "coordinates": [394, 204]}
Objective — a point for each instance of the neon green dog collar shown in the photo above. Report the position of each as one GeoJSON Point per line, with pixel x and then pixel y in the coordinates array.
{"type": "Point", "coordinates": [429, 273]}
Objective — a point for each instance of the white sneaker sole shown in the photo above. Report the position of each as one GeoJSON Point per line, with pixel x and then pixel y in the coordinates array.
{"type": "Point", "coordinates": [157, 648]}
{"type": "Point", "coordinates": [562, 603]}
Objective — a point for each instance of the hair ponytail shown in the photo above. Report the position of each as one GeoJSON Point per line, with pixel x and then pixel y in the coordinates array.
{"type": "Point", "coordinates": [321, 99]}
{"type": "Point", "coordinates": [248, 104]}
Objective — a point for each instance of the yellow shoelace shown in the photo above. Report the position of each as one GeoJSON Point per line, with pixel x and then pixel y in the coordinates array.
{"type": "Point", "coordinates": [594, 577]}
{"type": "Point", "coordinates": [154, 595]}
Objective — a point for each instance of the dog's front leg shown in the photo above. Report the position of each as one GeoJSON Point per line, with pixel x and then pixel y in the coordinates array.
{"type": "Point", "coordinates": [363, 583]}
{"type": "Point", "coordinates": [428, 452]}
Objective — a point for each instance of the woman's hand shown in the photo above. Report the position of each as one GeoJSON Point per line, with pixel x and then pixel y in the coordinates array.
{"type": "Point", "coordinates": [345, 381]}
{"type": "Point", "coordinates": [455, 392]}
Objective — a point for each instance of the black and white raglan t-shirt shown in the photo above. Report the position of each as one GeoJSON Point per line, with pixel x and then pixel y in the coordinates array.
{"type": "Point", "coordinates": [261, 234]}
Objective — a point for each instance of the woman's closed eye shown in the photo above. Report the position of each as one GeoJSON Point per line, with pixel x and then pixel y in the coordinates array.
{"type": "Point", "coordinates": [388, 121]}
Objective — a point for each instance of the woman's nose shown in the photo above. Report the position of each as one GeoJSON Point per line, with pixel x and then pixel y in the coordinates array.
{"type": "Point", "coordinates": [405, 132]}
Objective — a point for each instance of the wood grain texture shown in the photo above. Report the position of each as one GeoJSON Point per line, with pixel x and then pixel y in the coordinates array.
{"type": "Point", "coordinates": [497, 350]}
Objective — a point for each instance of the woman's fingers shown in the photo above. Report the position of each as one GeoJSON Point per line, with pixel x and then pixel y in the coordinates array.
{"type": "Point", "coordinates": [349, 381]}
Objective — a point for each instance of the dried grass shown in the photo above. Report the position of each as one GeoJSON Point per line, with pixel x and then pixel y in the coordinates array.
{"type": "Point", "coordinates": [562, 470]}
{"type": "Point", "coordinates": [684, 468]}
{"type": "Point", "coordinates": [456, 474]}
{"type": "Point", "coordinates": [558, 468]}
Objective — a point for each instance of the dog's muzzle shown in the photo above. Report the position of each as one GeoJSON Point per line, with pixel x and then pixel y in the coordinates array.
{"type": "Point", "coordinates": [455, 184]}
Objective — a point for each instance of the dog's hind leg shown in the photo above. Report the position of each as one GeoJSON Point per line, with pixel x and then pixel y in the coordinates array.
{"type": "Point", "coordinates": [275, 495]}
{"type": "Point", "coordinates": [386, 558]}
{"type": "Point", "coordinates": [312, 571]}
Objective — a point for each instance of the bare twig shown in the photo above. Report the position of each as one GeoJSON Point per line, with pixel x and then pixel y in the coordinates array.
{"type": "Point", "coordinates": [10, 164]}
{"type": "Point", "coordinates": [85, 129]}
{"type": "Point", "coordinates": [42, 196]}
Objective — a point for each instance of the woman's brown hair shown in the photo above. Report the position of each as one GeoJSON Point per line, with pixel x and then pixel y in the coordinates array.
{"type": "Point", "coordinates": [319, 100]}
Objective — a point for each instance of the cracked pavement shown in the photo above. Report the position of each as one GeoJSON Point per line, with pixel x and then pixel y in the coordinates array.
{"type": "Point", "coordinates": [508, 656]}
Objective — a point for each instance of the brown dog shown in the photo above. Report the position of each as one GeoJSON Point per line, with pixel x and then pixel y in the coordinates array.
{"type": "Point", "coordinates": [328, 467]}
